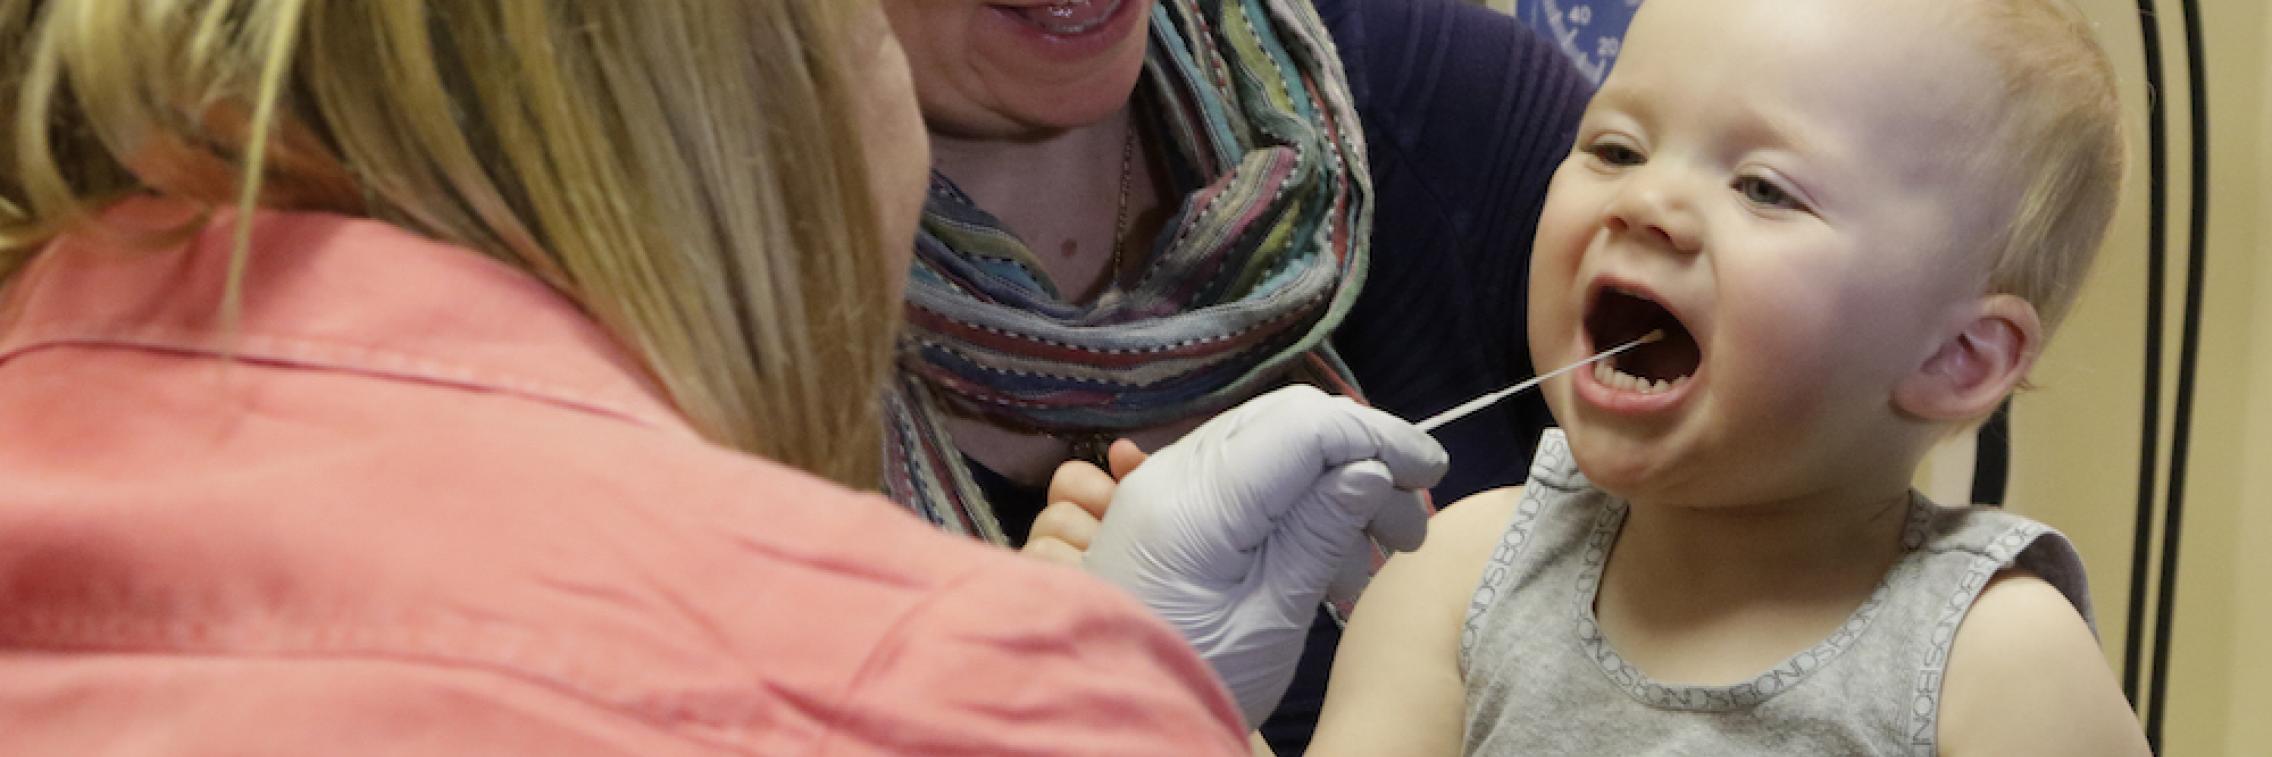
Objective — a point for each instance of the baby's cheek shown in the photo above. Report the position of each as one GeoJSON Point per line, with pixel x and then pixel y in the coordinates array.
{"type": "Point", "coordinates": [1570, 218]}
{"type": "Point", "coordinates": [1556, 295]}
{"type": "Point", "coordinates": [1786, 338]}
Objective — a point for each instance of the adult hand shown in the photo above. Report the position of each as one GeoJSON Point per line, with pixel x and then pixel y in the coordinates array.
{"type": "Point", "coordinates": [1234, 532]}
{"type": "Point", "coordinates": [1078, 494]}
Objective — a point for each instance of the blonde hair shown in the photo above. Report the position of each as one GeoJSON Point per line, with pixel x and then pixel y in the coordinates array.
{"type": "Point", "coordinates": [681, 169]}
{"type": "Point", "coordinates": [2060, 138]}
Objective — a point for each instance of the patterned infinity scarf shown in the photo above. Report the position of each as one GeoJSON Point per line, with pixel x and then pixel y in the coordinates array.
{"type": "Point", "coordinates": [1251, 274]}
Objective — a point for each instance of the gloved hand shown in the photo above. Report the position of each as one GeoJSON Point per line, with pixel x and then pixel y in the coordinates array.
{"type": "Point", "coordinates": [1234, 532]}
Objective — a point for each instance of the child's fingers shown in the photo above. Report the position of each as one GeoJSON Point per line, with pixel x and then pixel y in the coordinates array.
{"type": "Point", "coordinates": [1082, 484]}
{"type": "Point", "coordinates": [1124, 456]}
{"type": "Point", "coordinates": [1067, 522]}
{"type": "Point", "coordinates": [1052, 550]}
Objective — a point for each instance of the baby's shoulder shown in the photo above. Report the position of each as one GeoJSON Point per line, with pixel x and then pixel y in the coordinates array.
{"type": "Point", "coordinates": [2025, 672]}
{"type": "Point", "coordinates": [1464, 532]}
{"type": "Point", "coordinates": [1481, 508]}
{"type": "Point", "coordinates": [1436, 579]}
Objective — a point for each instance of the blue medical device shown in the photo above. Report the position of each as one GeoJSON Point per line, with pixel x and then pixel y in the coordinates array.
{"type": "Point", "coordinates": [1591, 32]}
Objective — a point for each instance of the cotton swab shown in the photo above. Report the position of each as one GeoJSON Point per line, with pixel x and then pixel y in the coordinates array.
{"type": "Point", "coordinates": [1438, 420]}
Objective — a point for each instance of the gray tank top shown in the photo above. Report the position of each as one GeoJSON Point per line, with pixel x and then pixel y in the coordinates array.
{"type": "Point", "coordinates": [1541, 679]}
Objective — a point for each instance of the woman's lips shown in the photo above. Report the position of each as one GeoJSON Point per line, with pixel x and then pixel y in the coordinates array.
{"type": "Point", "coordinates": [1070, 18]}
{"type": "Point", "coordinates": [1066, 32]}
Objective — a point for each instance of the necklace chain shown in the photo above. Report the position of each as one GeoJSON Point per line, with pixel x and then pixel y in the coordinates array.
{"type": "Point", "coordinates": [1090, 446]}
{"type": "Point", "coordinates": [1120, 218]}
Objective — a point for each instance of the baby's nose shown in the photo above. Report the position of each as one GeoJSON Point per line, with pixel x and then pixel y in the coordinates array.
{"type": "Point", "coordinates": [1659, 210]}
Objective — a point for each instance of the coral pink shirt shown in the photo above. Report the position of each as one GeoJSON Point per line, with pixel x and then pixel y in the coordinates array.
{"type": "Point", "coordinates": [430, 508]}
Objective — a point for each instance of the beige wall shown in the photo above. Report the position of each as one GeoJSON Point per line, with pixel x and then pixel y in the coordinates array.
{"type": "Point", "coordinates": [2249, 685]}
{"type": "Point", "coordinates": [2075, 455]}
{"type": "Point", "coordinates": [2076, 460]}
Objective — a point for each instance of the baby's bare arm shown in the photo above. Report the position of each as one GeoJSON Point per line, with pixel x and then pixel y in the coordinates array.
{"type": "Point", "coordinates": [2025, 677]}
{"type": "Point", "coordinates": [1396, 686]}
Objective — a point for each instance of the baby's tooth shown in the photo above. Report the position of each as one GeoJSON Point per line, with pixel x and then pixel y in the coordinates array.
{"type": "Point", "coordinates": [1661, 387]}
{"type": "Point", "coordinates": [1601, 372]}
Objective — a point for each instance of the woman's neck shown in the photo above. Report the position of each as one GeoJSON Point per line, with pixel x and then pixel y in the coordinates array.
{"type": "Point", "coordinates": [1061, 194]}
{"type": "Point", "coordinates": [1007, 168]}
{"type": "Point", "coordinates": [1074, 197]}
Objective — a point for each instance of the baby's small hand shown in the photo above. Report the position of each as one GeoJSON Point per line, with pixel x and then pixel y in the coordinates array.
{"type": "Point", "coordinates": [1078, 496]}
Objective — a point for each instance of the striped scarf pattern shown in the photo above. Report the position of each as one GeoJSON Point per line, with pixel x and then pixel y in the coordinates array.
{"type": "Point", "coordinates": [1248, 278]}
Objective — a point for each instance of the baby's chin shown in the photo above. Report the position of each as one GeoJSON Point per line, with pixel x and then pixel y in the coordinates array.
{"type": "Point", "coordinates": [1651, 470]}
{"type": "Point", "coordinates": [1614, 464]}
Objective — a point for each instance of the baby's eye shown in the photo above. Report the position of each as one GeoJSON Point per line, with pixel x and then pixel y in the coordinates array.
{"type": "Point", "coordinates": [1615, 154]}
{"type": "Point", "coordinates": [1764, 193]}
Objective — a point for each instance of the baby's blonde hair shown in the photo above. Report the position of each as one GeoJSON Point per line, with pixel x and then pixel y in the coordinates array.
{"type": "Point", "coordinates": [2059, 140]}
{"type": "Point", "coordinates": [684, 170]}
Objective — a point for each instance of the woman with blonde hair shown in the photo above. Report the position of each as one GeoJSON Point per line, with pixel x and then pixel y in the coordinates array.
{"type": "Point", "coordinates": [435, 377]}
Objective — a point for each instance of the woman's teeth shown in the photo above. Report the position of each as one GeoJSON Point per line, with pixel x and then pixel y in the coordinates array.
{"type": "Point", "coordinates": [1613, 378]}
{"type": "Point", "coordinates": [1071, 17]}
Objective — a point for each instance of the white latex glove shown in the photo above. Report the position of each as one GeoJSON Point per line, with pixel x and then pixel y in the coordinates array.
{"type": "Point", "coordinates": [1234, 532]}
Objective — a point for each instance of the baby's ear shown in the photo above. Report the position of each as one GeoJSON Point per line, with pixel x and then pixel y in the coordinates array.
{"type": "Point", "coordinates": [1977, 366]}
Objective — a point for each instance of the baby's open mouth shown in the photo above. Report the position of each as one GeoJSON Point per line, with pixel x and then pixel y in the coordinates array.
{"type": "Point", "coordinates": [1618, 317]}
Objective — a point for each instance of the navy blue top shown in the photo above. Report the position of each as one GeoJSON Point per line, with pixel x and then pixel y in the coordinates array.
{"type": "Point", "coordinates": [1466, 114]}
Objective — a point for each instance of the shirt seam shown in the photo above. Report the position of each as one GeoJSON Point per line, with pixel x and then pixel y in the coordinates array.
{"type": "Point", "coordinates": [1550, 469]}
{"type": "Point", "coordinates": [1985, 562]}
{"type": "Point", "coordinates": [26, 633]}
{"type": "Point", "coordinates": [313, 353]}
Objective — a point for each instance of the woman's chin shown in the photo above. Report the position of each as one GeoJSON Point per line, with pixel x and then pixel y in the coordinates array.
{"type": "Point", "coordinates": [1057, 109]}
{"type": "Point", "coordinates": [1052, 89]}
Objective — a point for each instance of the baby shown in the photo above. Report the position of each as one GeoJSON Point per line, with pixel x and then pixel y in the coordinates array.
{"type": "Point", "coordinates": [1856, 222]}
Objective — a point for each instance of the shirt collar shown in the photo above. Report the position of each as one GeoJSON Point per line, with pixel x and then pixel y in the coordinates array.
{"type": "Point", "coordinates": [326, 292]}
